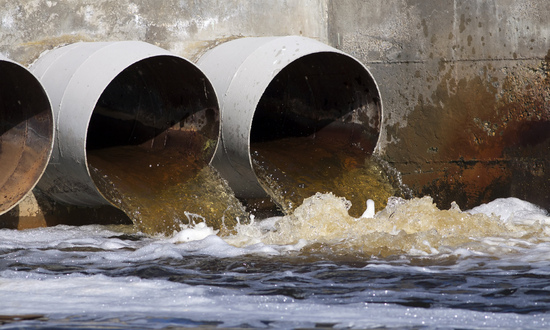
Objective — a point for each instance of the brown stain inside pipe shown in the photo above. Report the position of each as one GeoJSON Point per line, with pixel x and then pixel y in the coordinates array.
{"type": "Point", "coordinates": [26, 133]}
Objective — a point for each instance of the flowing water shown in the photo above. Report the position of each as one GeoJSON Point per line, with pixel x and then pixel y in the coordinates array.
{"type": "Point", "coordinates": [164, 189]}
{"type": "Point", "coordinates": [410, 266]}
{"type": "Point", "coordinates": [294, 168]}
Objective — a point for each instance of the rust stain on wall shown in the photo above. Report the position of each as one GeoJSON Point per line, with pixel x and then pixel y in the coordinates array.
{"type": "Point", "coordinates": [479, 138]}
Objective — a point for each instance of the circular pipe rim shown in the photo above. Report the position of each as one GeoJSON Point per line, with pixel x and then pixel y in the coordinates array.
{"type": "Point", "coordinates": [67, 73]}
{"type": "Point", "coordinates": [249, 65]}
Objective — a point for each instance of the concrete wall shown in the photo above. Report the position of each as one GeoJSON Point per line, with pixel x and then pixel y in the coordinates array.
{"type": "Point", "coordinates": [466, 92]}
{"type": "Point", "coordinates": [464, 83]}
{"type": "Point", "coordinates": [185, 27]}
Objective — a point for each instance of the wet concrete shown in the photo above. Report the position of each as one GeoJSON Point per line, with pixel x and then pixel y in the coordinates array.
{"type": "Point", "coordinates": [465, 91]}
{"type": "Point", "coordinates": [480, 142]}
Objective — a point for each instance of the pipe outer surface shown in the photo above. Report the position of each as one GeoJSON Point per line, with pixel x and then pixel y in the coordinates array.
{"type": "Point", "coordinates": [75, 77]}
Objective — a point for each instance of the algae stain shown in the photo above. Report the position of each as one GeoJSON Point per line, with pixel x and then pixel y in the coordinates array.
{"type": "Point", "coordinates": [34, 48]}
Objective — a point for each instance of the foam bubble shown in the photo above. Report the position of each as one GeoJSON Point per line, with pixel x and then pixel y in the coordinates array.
{"type": "Point", "coordinates": [193, 233]}
{"type": "Point", "coordinates": [513, 210]}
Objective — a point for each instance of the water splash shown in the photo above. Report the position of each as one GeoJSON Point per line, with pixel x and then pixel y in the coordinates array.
{"type": "Point", "coordinates": [415, 227]}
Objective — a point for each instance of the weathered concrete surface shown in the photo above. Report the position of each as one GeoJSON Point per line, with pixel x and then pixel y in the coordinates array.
{"type": "Point", "coordinates": [36, 210]}
{"type": "Point", "coordinates": [187, 28]}
{"type": "Point", "coordinates": [466, 92]}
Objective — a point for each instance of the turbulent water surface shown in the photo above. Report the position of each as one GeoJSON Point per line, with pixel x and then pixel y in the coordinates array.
{"type": "Point", "coordinates": [411, 265]}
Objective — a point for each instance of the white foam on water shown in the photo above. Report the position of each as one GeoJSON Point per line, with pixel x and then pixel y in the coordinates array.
{"type": "Point", "coordinates": [52, 237]}
{"type": "Point", "coordinates": [513, 210]}
{"type": "Point", "coordinates": [193, 233]}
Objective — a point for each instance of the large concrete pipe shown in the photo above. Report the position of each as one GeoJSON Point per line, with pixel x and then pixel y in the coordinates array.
{"type": "Point", "coordinates": [272, 88]}
{"type": "Point", "coordinates": [108, 95]}
{"type": "Point", "coordinates": [26, 132]}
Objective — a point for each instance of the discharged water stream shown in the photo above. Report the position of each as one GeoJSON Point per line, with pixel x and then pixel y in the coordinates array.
{"type": "Point", "coordinates": [295, 168]}
{"type": "Point", "coordinates": [165, 189]}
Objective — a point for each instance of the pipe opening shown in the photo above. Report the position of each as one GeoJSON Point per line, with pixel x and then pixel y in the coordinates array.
{"type": "Point", "coordinates": [157, 103]}
{"type": "Point", "coordinates": [318, 95]}
{"type": "Point", "coordinates": [137, 127]}
{"type": "Point", "coordinates": [26, 133]}
{"type": "Point", "coordinates": [315, 129]}
{"type": "Point", "coordinates": [150, 140]}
